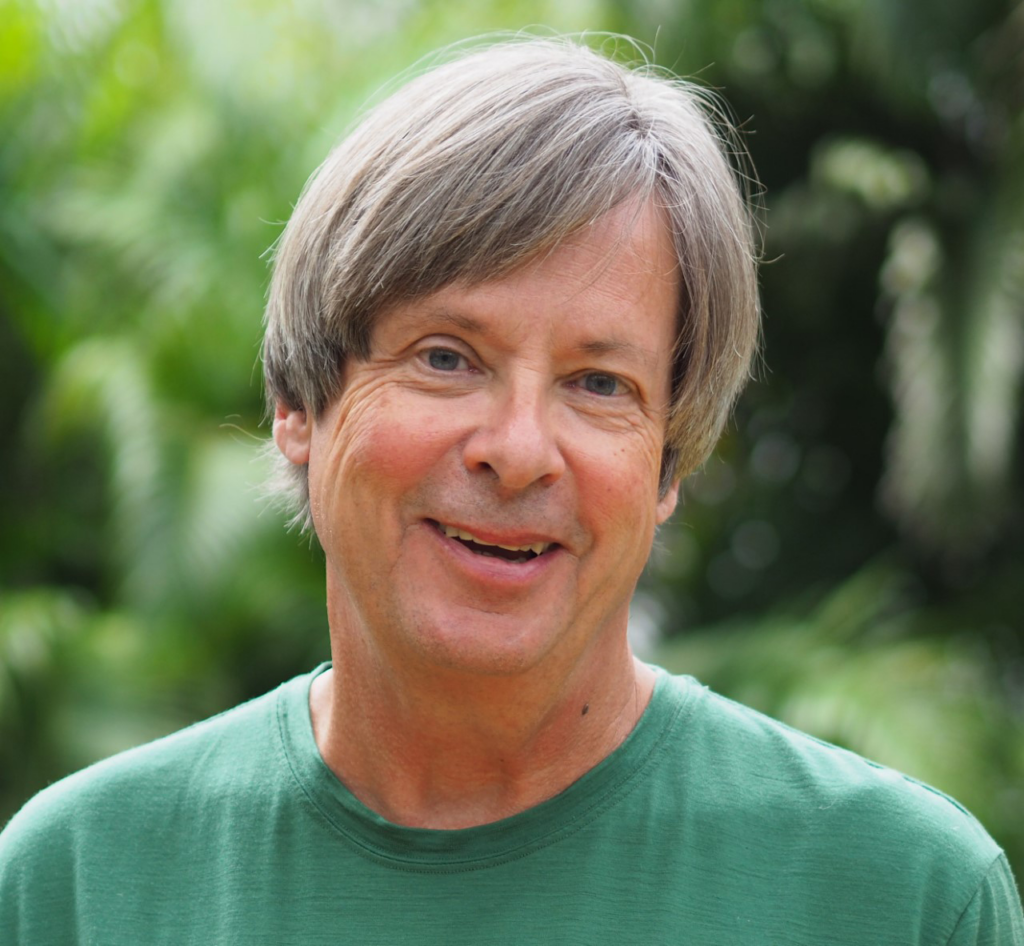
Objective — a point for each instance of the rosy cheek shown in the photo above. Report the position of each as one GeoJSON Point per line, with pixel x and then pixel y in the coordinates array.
{"type": "Point", "coordinates": [404, 444]}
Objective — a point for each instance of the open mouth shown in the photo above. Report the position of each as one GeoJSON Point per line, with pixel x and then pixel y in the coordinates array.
{"type": "Point", "coordinates": [510, 553]}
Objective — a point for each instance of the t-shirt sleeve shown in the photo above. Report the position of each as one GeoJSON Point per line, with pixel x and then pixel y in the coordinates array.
{"type": "Point", "coordinates": [36, 883]}
{"type": "Point", "coordinates": [994, 916]}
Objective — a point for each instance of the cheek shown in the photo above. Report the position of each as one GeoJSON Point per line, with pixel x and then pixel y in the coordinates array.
{"type": "Point", "coordinates": [375, 451]}
{"type": "Point", "coordinates": [409, 444]}
{"type": "Point", "coordinates": [406, 443]}
{"type": "Point", "coordinates": [619, 466]}
{"type": "Point", "coordinates": [619, 487]}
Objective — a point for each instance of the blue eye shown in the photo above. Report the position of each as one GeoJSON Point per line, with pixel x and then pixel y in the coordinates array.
{"type": "Point", "coordinates": [606, 385]}
{"type": "Point", "coordinates": [442, 359]}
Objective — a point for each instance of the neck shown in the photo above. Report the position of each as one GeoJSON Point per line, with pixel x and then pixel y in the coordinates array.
{"type": "Point", "coordinates": [434, 747]}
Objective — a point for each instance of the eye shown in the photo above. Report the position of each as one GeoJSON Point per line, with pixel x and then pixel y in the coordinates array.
{"type": "Point", "coordinates": [605, 385]}
{"type": "Point", "coordinates": [444, 359]}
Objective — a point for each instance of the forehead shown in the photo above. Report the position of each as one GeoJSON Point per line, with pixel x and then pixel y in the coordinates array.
{"type": "Point", "coordinates": [628, 251]}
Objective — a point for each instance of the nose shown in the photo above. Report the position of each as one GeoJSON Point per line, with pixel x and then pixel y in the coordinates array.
{"type": "Point", "coordinates": [516, 440]}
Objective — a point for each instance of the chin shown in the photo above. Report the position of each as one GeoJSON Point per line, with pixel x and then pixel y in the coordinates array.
{"type": "Point", "coordinates": [483, 647]}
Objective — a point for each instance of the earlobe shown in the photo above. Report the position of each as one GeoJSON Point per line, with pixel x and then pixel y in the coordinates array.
{"type": "Point", "coordinates": [293, 429]}
{"type": "Point", "coordinates": [667, 504]}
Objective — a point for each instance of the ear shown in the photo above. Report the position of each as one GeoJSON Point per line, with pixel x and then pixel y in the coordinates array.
{"type": "Point", "coordinates": [667, 504]}
{"type": "Point", "coordinates": [293, 429]}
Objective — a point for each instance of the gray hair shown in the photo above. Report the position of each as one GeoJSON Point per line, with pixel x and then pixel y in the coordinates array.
{"type": "Point", "coordinates": [480, 165]}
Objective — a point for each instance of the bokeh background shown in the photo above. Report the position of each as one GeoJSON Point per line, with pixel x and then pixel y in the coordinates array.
{"type": "Point", "coordinates": [851, 560]}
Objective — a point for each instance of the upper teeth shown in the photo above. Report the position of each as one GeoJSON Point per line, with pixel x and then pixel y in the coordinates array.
{"type": "Point", "coordinates": [453, 533]}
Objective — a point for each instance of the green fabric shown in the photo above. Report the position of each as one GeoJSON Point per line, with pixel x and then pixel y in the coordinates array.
{"type": "Point", "coordinates": [710, 825]}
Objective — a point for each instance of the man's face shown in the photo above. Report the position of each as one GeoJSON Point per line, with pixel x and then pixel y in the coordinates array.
{"type": "Point", "coordinates": [525, 412]}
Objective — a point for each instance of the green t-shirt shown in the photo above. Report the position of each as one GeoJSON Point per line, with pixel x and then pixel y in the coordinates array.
{"type": "Point", "coordinates": [711, 824]}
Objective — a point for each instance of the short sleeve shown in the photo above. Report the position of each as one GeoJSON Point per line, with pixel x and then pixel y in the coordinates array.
{"type": "Point", "coordinates": [994, 916]}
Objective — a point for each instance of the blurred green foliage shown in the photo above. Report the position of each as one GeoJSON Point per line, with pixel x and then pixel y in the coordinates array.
{"type": "Point", "coordinates": [851, 560]}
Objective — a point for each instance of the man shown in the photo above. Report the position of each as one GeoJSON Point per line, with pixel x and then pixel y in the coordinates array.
{"type": "Point", "coordinates": [509, 313]}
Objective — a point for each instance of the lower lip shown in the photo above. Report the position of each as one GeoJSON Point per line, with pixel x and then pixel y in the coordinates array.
{"type": "Point", "coordinates": [491, 569]}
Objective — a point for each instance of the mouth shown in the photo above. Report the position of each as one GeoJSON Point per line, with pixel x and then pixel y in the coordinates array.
{"type": "Point", "coordinates": [517, 554]}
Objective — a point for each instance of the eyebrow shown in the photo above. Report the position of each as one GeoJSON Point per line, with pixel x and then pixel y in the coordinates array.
{"type": "Point", "coordinates": [464, 322]}
{"type": "Point", "coordinates": [596, 346]}
{"type": "Point", "coordinates": [602, 346]}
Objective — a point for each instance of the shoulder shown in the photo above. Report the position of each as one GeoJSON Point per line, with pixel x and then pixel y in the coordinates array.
{"type": "Point", "coordinates": [773, 779]}
{"type": "Point", "coordinates": [153, 778]}
{"type": "Point", "coordinates": [790, 826]}
{"type": "Point", "coordinates": [792, 768]}
{"type": "Point", "coordinates": [97, 849]}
